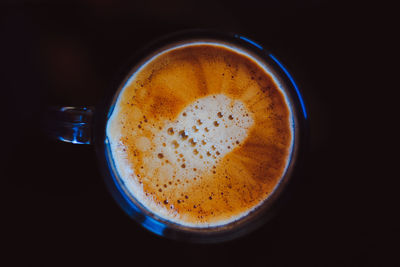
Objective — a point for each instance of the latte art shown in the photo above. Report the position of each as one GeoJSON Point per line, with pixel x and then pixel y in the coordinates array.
{"type": "Point", "coordinates": [193, 145]}
{"type": "Point", "coordinates": [201, 135]}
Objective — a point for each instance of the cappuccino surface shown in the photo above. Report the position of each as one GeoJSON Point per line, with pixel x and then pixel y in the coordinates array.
{"type": "Point", "coordinates": [201, 134]}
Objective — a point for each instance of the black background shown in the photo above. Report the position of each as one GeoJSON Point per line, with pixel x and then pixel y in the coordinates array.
{"type": "Point", "coordinates": [56, 209]}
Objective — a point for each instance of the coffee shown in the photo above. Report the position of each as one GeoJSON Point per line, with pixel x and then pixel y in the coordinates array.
{"type": "Point", "coordinates": [201, 134]}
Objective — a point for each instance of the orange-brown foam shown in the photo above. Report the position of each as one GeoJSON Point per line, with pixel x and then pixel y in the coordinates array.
{"type": "Point", "coordinates": [159, 95]}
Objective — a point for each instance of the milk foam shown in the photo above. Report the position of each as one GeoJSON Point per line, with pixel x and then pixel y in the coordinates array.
{"type": "Point", "coordinates": [204, 132]}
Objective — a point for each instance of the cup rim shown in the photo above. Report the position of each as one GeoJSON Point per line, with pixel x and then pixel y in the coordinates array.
{"type": "Point", "coordinates": [171, 230]}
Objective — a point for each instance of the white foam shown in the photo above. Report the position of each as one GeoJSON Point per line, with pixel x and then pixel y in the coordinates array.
{"type": "Point", "coordinates": [203, 133]}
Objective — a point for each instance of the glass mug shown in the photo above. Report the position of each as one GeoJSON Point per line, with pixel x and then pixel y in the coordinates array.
{"type": "Point", "coordinates": [87, 125]}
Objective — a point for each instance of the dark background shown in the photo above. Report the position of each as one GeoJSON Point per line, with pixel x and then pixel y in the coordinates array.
{"type": "Point", "coordinates": [55, 207]}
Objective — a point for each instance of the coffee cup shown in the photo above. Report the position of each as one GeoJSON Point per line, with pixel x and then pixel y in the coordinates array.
{"type": "Point", "coordinates": [199, 139]}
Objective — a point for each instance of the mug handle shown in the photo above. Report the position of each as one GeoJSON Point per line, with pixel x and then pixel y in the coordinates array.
{"type": "Point", "coordinates": [69, 124]}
